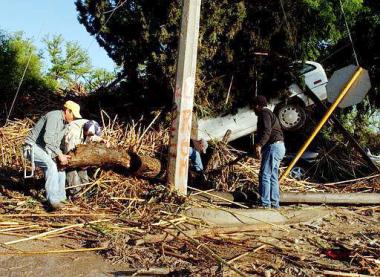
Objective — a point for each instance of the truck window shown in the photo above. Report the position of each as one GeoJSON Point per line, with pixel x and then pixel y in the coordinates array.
{"type": "Point", "coordinates": [306, 68]}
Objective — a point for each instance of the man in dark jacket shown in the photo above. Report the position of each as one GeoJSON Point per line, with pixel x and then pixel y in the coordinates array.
{"type": "Point", "coordinates": [269, 147]}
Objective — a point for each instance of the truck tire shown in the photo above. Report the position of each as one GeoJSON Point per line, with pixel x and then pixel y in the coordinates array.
{"type": "Point", "coordinates": [291, 116]}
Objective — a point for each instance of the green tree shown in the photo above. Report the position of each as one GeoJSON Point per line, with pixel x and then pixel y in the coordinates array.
{"type": "Point", "coordinates": [97, 78]}
{"type": "Point", "coordinates": [363, 119]}
{"type": "Point", "coordinates": [141, 36]}
{"type": "Point", "coordinates": [69, 63]}
{"type": "Point", "coordinates": [16, 55]}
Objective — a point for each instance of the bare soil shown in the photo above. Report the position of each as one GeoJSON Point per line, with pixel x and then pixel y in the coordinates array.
{"type": "Point", "coordinates": [71, 264]}
{"type": "Point", "coordinates": [346, 240]}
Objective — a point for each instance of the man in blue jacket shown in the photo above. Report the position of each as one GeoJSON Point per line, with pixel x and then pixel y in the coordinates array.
{"type": "Point", "coordinates": [45, 139]}
{"type": "Point", "coordinates": [269, 147]}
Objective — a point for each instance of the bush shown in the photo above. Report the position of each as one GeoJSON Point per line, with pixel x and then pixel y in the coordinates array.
{"type": "Point", "coordinates": [16, 54]}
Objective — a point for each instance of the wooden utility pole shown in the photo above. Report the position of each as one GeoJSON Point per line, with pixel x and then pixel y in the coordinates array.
{"type": "Point", "coordinates": [184, 96]}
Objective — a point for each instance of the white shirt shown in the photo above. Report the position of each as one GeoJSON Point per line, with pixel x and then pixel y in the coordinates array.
{"type": "Point", "coordinates": [74, 135]}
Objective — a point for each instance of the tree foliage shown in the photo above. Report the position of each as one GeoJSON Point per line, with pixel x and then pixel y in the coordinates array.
{"type": "Point", "coordinates": [98, 78]}
{"type": "Point", "coordinates": [69, 63]}
{"type": "Point", "coordinates": [16, 53]}
{"type": "Point", "coordinates": [363, 119]}
{"type": "Point", "coordinates": [142, 37]}
{"type": "Point", "coordinates": [70, 66]}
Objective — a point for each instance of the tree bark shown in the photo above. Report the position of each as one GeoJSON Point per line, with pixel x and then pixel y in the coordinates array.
{"type": "Point", "coordinates": [97, 154]}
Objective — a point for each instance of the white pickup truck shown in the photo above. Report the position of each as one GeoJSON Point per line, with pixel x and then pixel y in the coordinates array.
{"type": "Point", "coordinates": [291, 112]}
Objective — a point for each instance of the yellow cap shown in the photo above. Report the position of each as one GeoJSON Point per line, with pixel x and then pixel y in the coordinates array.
{"type": "Point", "coordinates": [74, 107]}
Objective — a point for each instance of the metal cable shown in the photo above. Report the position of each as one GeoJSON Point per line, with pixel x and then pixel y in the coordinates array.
{"type": "Point", "coordinates": [22, 77]}
{"type": "Point", "coordinates": [288, 28]}
{"type": "Point", "coordinates": [118, 5]}
{"type": "Point", "coordinates": [349, 33]}
{"type": "Point", "coordinates": [334, 53]}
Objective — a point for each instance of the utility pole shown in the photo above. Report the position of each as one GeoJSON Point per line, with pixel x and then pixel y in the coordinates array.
{"type": "Point", "coordinates": [184, 96]}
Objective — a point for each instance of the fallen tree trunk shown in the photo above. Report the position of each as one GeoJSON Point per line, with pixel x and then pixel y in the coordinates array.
{"type": "Point", "coordinates": [97, 154]}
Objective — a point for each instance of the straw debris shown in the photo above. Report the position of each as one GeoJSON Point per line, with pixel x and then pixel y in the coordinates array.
{"type": "Point", "coordinates": [142, 223]}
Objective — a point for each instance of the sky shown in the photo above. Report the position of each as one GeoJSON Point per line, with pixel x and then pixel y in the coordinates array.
{"type": "Point", "coordinates": [37, 18]}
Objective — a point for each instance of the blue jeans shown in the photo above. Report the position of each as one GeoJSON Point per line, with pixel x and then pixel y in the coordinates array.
{"type": "Point", "coordinates": [54, 179]}
{"type": "Point", "coordinates": [272, 155]}
{"type": "Point", "coordinates": [196, 160]}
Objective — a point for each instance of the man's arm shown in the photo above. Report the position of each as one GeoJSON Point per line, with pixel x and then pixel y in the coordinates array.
{"type": "Point", "coordinates": [50, 134]}
{"type": "Point", "coordinates": [266, 129]}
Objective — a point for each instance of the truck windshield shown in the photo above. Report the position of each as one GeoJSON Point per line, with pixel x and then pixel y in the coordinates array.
{"type": "Point", "coordinates": [303, 68]}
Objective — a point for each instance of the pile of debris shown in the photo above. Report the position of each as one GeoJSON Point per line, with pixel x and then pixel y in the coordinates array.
{"type": "Point", "coordinates": [230, 170]}
{"type": "Point", "coordinates": [144, 224]}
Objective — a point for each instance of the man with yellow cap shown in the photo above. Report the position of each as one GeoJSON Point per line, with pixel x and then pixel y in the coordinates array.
{"type": "Point", "coordinates": [45, 141]}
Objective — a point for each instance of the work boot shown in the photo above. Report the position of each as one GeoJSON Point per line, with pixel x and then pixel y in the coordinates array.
{"type": "Point", "coordinates": [56, 206]}
{"type": "Point", "coordinates": [264, 207]}
{"type": "Point", "coordinates": [202, 181]}
{"type": "Point", "coordinates": [199, 180]}
{"type": "Point", "coordinates": [240, 196]}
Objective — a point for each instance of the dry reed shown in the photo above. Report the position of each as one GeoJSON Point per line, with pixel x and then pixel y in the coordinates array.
{"type": "Point", "coordinates": [115, 210]}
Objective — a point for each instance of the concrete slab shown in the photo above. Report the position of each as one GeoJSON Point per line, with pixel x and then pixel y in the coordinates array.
{"type": "Point", "coordinates": [236, 217]}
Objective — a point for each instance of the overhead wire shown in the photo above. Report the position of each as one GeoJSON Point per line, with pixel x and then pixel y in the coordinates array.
{"type": "Point", "coordinates": [118, 5]}
{"type": "Point", "coordinates": [349, 33]}
{"type": "Point", "coordinates": [22, 77]}
{"type": "Point", "coordinates": [287, 24]}
{"type": "Point", "coordinates": [334, 53]}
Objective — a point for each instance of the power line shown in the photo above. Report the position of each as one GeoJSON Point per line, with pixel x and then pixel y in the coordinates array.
{"type": "Point", "coordinates": [288, 28]}
{"type": "Point", "coordinates": [22, 77]}
{"type": "Point", "coordinates": [334, 53]}
{"type": "Point", "coordinates": [118, 5]}
{"type": "Point", "coordinates": [349, 33]}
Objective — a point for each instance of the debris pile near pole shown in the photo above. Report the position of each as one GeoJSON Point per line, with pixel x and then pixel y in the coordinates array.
{"type": "Point", "coordinates": [230, 169]}
{"type": "Point", "coordinates": [143, 224]}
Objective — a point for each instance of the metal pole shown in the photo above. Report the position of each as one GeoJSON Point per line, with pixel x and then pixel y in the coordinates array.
{"type": "Point", "coordinates": [184, 96]}
{"type": "Point", "coordinates": [322, 122]}
{"type": "Point", "coordinates": [341, 128]}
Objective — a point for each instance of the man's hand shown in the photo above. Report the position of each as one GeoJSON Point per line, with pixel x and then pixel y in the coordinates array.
{"type": "Point", "coordinates": [63, 159]}
{"type": "Point", "coordinates": [200, 145]}
{"type": "Point", "coordinates": [258, 151]}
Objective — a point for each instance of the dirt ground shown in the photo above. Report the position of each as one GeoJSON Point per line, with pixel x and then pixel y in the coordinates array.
{"type": "Point", "coordinates": [73, 264]}
{"type": "Point", "coordinates": [346, 240]}
{"type": "Point", "coordinates": [115, 210]}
